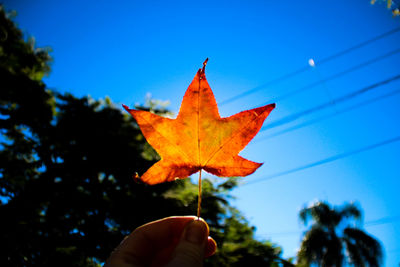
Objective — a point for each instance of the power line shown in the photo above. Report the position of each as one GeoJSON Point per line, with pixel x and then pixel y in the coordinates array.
{"type": "Point", "coordinates": [305, 68]}
{"type": "Point", "coordinates": [258, 88]}
{"type": "Point", "coordinates": [332, 77]}
{"type": "Point", "coordinates": [382, 221]}
{"type": "Point", "coordinates": [386, 34]}
{"type": "Point", "coordinates": [338, 112]}
{"type": "Point", "coordinates": [324, 161]}
{"type": "Point", "coordinates": [344, 98]}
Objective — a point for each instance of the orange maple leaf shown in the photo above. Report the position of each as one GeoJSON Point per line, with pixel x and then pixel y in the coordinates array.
{"type": "Point", "coordinates": [199, 138]}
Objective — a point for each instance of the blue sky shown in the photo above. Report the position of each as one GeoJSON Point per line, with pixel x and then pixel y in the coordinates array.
{"type": "Point", "coordinates": [126, 49]}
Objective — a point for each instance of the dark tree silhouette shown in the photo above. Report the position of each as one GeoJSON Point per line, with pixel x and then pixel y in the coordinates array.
{"type": "Point", "coordinates": [332, 233]}
{"type": "Point", "coordinates": [66, 188]}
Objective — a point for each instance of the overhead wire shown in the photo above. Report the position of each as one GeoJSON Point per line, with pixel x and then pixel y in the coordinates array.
{"type": "Point", "coordinates": [336, 157]}
{"type": "Point", "coordinates": [344, 98]}
{"type": "Point", "coordinates": [324, 161]}
{"type": "Point", "coordinates": [383, 220]}
{"type": "Point", "coordinates": [305, 68]}
{"type": "Point", "coordinates": [322, 118]}
{"type": "Point", "coordinates": [332, 77]}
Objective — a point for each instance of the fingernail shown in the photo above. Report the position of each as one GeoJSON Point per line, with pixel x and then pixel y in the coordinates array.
{"type": "Point", "coordinates": [196, 232]}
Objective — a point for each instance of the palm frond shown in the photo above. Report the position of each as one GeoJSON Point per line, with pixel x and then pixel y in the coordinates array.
{"type": "Point", "coordinates": [322, 213]}
{"type": "Point", "coordinates": [363, 246]}
{"type": "Point", "coordinates": [355, 257]}
{"type": "Point", "coordinates": [350, 210]}
{"type": "Point", "coordinates": [320, 247]}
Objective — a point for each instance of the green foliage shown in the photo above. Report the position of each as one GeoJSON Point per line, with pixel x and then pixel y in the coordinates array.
{"type": "Point", "coordinates": [67, 193]}
{"type": "Point", "coordinates": [19, 56]}
{"type": "Point", "coordinates": [239, 248]}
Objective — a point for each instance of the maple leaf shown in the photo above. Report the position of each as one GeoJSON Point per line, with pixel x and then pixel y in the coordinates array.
{"type": "Point", "coordinates": [199, 138]}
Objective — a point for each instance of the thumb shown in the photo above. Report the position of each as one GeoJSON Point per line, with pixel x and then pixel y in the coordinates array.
{"type": "Point", "coordinates": [190, 249]}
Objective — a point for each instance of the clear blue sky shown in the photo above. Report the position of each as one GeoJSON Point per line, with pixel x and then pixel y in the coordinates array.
{"type": "Point", "coordinates": [126, 49]}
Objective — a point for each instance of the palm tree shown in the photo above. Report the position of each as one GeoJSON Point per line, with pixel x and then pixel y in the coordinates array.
{"type": "Point", "coordinates": [333, 238]}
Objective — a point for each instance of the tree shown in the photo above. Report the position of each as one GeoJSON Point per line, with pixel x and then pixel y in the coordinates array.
{"type": "Point", "coordinates": [66, 188]}
{"type": "Point", "coordinates": [332, 233]}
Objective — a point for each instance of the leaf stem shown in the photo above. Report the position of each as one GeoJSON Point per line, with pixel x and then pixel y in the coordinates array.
{"type": "Point", "coordinates": [199, 197]}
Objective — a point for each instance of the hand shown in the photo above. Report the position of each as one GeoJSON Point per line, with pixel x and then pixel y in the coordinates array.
{"type": "Point", "coordinates": [170, 242]}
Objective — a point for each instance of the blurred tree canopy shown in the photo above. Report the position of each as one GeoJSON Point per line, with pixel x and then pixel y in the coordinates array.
{"type": "Point", "coordinates": [66, 188]}
{"type": "Point", "coordinates": [334, 240]}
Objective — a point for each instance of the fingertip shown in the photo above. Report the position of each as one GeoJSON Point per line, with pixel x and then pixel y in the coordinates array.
{"type": "Point", "coordinates": [204, 221]}
{"type": "Point", "coordinates": [196, 232]}
{"type": "Point", "coordinates": [211, 247]}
